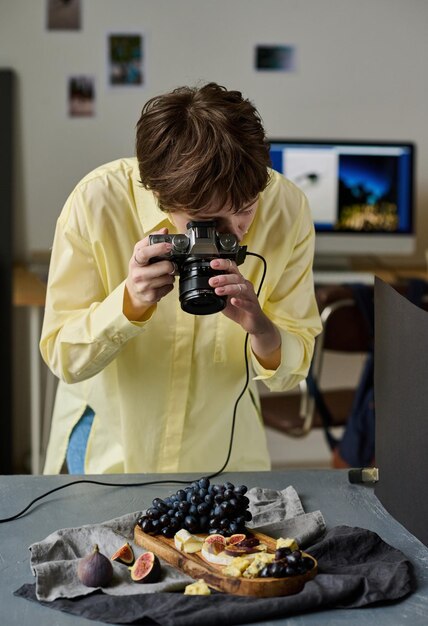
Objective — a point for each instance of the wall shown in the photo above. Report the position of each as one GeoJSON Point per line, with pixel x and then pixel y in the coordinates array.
{"type": "Point", "coordinates": [361, 74]}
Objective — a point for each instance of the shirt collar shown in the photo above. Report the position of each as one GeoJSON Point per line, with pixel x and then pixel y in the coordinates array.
{"type": "Point", "coordinates": [149, 213]}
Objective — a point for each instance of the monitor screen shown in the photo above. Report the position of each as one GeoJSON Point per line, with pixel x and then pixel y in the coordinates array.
{"type": "Point", "coordinates": [360, 193]}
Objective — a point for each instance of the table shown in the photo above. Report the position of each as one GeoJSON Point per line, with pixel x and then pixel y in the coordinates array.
{"type": "Point", "coordinates": [327, 490]}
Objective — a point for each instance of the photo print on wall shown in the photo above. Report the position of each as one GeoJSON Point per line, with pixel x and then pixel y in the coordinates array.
{"type": "Point", "coordinates": [275, 58]}
{"type": "Point", "coordinates": [81, 96]}
{"type": "Point", "coordinates": [125, 60]}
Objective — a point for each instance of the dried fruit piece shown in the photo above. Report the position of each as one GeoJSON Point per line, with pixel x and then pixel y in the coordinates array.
{"type": "Point", "coordinates": [247, 546]}
{"type": "Point", "coordinates": [124, 555]}
{"type": "Point", "coordinates": [248, 542]}
{"type": "Point", "coordinates": [95, 569]}
{"type": "Point", "coordinates": [146, 569]}
{"type": "Point", "coordinates": [236, 551]}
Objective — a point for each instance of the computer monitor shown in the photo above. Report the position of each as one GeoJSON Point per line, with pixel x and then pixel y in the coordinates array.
{"type": "Point", "coordinates": [360, 193]}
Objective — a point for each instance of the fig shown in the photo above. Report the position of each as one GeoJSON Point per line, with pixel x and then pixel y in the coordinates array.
{"type": "Point", "coordinates": [213, 547]}
{"type": "Point", "coordinates": [124, 555]}
{"type": "Point", "coordinates": [215, 538]}
{"type": "Point", "coordinates": [237, 538]}
{"type": "Point", "coordinates": [146, 569]}
{"type": "Point", "coordinates": [249, 542]}
{"type": "Point", "coordinates": [235, 551]}
{"type": "Point", "coordinates": [95, 569]}
{"type": "Point", "coordinates": [246, 546]}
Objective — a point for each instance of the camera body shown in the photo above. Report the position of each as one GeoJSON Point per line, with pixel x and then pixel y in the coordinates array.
{"type": "Point", "coordinates": [192, 253]}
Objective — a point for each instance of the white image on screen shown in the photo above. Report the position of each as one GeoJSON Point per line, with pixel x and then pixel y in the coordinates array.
{"type": "Point", "coordinates": [316, 173]}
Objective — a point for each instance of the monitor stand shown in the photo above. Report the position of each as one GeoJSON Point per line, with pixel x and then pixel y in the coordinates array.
{"type": "Point", "coordinates": [337, 270]}
{"type": "Point", "coordinates": [332, 263]}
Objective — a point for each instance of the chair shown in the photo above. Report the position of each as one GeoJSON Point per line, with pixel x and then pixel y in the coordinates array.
{"type": "Point", "coordinates": [344, 331]}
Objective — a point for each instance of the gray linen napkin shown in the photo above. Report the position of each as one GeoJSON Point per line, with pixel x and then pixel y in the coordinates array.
{"type": "Point", "coordinates": [281, 514]}
{"type": "Point", "coordinates": [54, 559]}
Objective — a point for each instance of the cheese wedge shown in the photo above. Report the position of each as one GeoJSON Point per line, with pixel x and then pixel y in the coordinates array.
{"type": "Point", "coordinates": [259, 562]}
{"type": "Point", "coordinates": [287, 542]}
{"type": "Point", "coordinates": [198, 588]}
{"type": "Point", "coordinates": [185, 542]}
{"type": "Point", "coordinates": [238, 565]}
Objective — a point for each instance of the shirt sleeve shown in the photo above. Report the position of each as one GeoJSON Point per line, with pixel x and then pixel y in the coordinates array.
{"type": "Point", "coordinates": [83, 333]}
{"type": "Point", "coordinates": [293, 308]}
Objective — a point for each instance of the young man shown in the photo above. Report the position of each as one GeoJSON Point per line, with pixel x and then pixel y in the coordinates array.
{"type": "Point", "coordinates": [145, 386]}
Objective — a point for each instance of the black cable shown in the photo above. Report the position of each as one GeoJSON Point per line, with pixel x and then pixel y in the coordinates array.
{"type": "Point", "coordinates": [247, 374]}
{"type": "Point", "coordinates": [166, 481]}
{"type": "Point", "coordinates": [91, 482]}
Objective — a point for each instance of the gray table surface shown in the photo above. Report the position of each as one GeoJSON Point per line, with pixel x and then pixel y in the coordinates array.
{"type": "Point", "coordinates": [326, 490]}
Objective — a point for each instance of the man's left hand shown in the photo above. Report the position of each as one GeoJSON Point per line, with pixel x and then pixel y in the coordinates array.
{"type": "Point", "coordinates": [244, 308]}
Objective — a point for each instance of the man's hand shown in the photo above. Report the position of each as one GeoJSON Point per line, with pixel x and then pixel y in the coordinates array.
{"type": "Point", "coordinates": [244, 308]}
{"type": "Point", "coordinates": [147, 283]}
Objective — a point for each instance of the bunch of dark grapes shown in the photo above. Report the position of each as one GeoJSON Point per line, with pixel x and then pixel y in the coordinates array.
{"type": "Point", "coordinates": [199, 508]}
{"type": "Point", "coordinates": [287, 563]}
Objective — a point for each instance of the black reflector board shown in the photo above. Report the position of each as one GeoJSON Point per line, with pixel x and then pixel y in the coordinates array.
{"type": "Point", "coordinates": [401, 403]}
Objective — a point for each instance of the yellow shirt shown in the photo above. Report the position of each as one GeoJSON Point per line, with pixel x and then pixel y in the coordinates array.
{"type": "Point", "coordinates": [163, 390]}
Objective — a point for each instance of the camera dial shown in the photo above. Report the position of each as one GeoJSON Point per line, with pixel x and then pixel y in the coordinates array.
{"type": "Point", "coordinates": [227, 242]}
{"type": "Point", "coordinates": [180, 243]}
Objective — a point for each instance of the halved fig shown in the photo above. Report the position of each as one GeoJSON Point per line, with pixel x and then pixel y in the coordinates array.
{"type": "Point", "coordinates": [234, 539]}
{"type": "Point", "coordinates": [124, 555]}
{"type": "Point", "coordinates": [219, 539]}
{"type": "Point", "coordinates": [213, 547]}
{"type": "Point", "coordinates": [146, 569]}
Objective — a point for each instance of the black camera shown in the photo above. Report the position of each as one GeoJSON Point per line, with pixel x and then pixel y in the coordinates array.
{"type": "Point", "coordinates": [192, 254]}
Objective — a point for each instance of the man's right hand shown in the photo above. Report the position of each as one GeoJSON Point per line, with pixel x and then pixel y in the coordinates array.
{"type": "Point", "coordinates": [147, 283]}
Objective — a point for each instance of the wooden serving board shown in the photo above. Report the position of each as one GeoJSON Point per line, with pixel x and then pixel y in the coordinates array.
{"type": "Point", "coordinates": [195, 566]}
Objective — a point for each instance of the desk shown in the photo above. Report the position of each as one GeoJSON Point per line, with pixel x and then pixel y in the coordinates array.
{"type": "Point", "coordinates": [367, 276]}
{"type": "Point", "coordinates": [327, 490]}
{"type": "Point", "coordinates": [30, 291]}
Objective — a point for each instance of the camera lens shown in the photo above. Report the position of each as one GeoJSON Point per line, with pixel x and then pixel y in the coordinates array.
{"type": "Point", "coordinates": [196, 295]}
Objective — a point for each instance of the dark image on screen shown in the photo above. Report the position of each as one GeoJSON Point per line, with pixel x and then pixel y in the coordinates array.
{"type": "Point", "coordinates": [367, 194]}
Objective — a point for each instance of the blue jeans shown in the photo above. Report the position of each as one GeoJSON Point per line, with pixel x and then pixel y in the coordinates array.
{"type": "Point", "coordinates": [78, 442]}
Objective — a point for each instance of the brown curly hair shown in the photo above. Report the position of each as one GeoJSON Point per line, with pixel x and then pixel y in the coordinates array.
{"type": "Point", "coordinates": [204, 147]}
